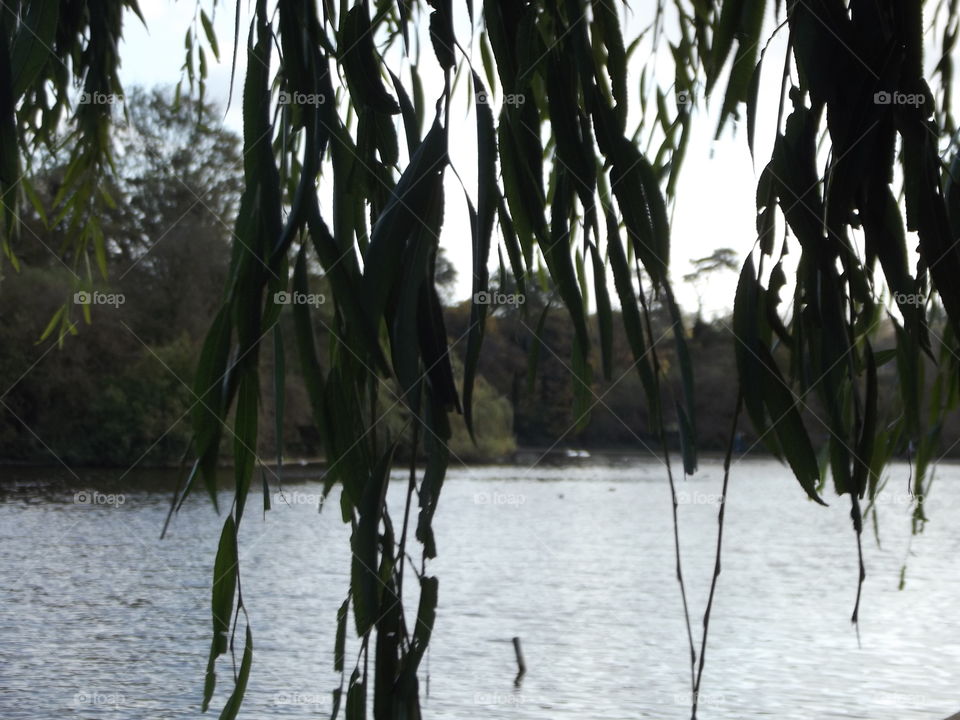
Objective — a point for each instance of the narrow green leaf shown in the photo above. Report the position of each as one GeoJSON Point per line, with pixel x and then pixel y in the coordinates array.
{"type": "Point", "coordinates": [582, 391]}
{"type": "Point", "coordinates": [99, 247]}
{"type": "Point", "coordinates": [441, 33]}
{"type": "Point", "coordinates": [745, 313]}
{"type": "Point", "coordinates": [403, 215]}
{"type": "Point", "coordinates": [357, 697]}
{"type": "Point", "coordinates": [31, 46]}
{"type": "Point", "coordinates": [789, 428]}
{"type": "Point", "coordinates": [752, 95]}
{"type": "Point", "coordinates": [723, 36]}
{"type": "Point", "coordinates": [432, 337]}
{"type": "Point", "coordinates": [411, 125]}
{"type": "Point", "coordinates": [266, 491]}
{"type": "Point", "coordinates": [514, 251]}
{"type": "Point", "coordinates": [688, 417]}
{"type": "Point", "coordinates": [210, 388]}
{"type": "Point", "coordinates": [411, 315]}
{"type": "Point", "coordinates": [868, 430]}
{"type": "Point", "coordinates": [54, 321]}
{"type": "Point", "coordinates": [632, 325]}
{"type": "Point", "coordinates": [209, 32]}
{"type": "Point", "coordinates": [345, 280]}
{"type": "Point", "coordinates": [34, 198]}
{"type": "Point", "coordinates": [279, 392]}
{"type": "Point", "coordinates": [310, 369]}
{"type": "Point", "coordinates": [643, 209]}
{"type": "Point", "coordinates": [438, 458]}
{"type": "Point", "coordinates": [340, 646]}
{"type": "Point", "coordinates": [360, 64]}
{"type": "Point", "coordinates": [365, 584]}
{"type": "Point", "coordinates": [224, 588]}
{"type": "Point", "coordinates": [608, 23]}
{"type": "Point", "coordinates": [426, 615]}
{"type": "Point", "coordinates": [745, 62]}
{"type": "Point", "coordinates": [533, 357]}
{"type": "Point", "coordinates": [765, 392]}
{"type": "Point", "coordinates": [486, 55]}
{"type": "Point", "coordinates": [604, 311]}
{"type": "Point", "coordinates": [387, 144]}
{"type": "Point", "coordinates": [245, 434]}
{"type": "Point", "coordinates": [688, 441]}
{"type": "Point", "coordinates": [337, 696]}
{"type": "Point", "coordinates": [908, 380]}
{"type": "Point", "coordinates": [232, 706]}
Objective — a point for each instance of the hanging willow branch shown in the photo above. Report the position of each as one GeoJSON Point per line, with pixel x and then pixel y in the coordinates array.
{"type": "Point", "coordinates": [562, 180]}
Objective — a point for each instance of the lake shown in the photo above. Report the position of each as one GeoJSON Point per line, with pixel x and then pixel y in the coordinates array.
{"type": "Point", "coordinates": [99, 618]}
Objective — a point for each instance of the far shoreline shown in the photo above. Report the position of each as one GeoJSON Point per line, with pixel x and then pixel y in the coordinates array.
{"type": "Point", "coordinates": [554, 457]}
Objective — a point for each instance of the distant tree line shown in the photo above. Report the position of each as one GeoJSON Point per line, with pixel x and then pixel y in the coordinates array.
{"type": "Point", "coordinates": [117, 390]}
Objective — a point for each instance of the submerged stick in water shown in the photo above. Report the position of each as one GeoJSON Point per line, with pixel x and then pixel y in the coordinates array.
{"type": "Point", "coordinates": [521, 666]}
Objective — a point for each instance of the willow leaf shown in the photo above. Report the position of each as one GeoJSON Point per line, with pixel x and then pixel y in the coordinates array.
{"type": "Point", "coordinates": [604, 311]}
{"type": "Point", "coordinates": [210, 34]}
{"type": "Point", "coordinates": [245, 434]}
{"type": "Point", "coordinates": [634, 184]}
{"type": "Point", "coordinates": [765, 392]}
{"type": "Point", "coordinates": [403, 215]}
{"type": "Point", "coordinates": [632, 324]}
{"type": "Point", "coordinates": [360, 63]}
{"type": "Point", "coordinates": [438, 457]}
{"type": "Point", "coordinates": [868, 429]}
{"type": "Point", "coordinates": [687, 415]}
{"type": "Point", "coordinates": [441, 33]}
{"type": "Point", "coordinates": [32, 43]}
{"type": "Point", "coordinates": [224, 588]}
{"type": "Point", "coordinates": [232, 707]}
{"type": "Point", "coordinates": [210, 389]}
{"type": "Point", "coordinates": [357, 697]}
{"type": "Point", "coordinates": [340, 645]}
{"type": "Point", "coordinates": [279, 385]}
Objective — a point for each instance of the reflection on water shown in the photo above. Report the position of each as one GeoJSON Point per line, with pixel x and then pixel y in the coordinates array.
{"type": "Point", "coordinates": [101, 619]}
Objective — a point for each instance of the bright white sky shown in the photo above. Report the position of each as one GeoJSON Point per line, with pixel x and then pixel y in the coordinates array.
{"type": "Point", "coordinates": [715, 197]}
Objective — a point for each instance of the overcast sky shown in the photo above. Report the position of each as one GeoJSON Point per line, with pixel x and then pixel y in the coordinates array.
{"type": "Point", "coordinates": [715, 197]}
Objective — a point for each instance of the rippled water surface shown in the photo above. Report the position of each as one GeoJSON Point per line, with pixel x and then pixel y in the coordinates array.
{"type": "Point", "coordinates": [101, 619]}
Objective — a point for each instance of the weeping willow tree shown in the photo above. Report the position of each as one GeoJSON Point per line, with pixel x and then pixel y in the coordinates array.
{"type": "Point", "coordinates": [348, 113]}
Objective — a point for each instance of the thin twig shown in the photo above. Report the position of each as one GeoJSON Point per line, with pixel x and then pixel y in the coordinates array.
{"type": "Point", "coordinates": [858, 526]}
{"type": "Point", "coordinates": [406, 512]}
{"type": "Point", "coordinates": [716, 565]}
{"type": "Point", "coordinates": [673, 490]}
{"type": "Point", "coordinates": [676, 548]}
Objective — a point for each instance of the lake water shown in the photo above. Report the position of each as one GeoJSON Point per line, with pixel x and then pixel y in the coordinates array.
{"type": "Point", "coordinates": [101, 619]}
